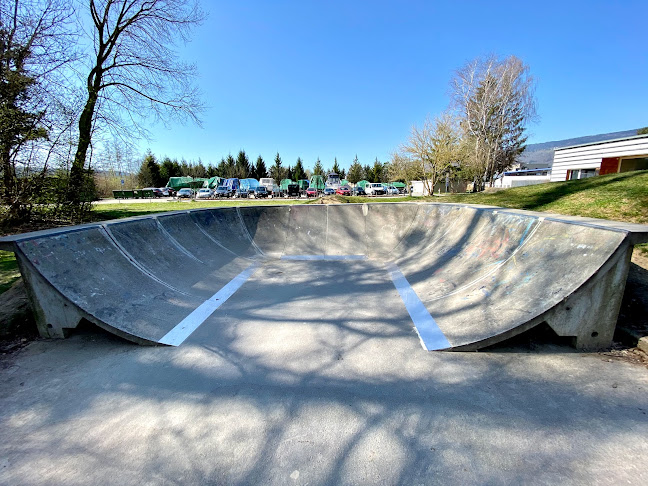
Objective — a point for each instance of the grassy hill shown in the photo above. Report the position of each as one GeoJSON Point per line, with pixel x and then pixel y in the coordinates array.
{"type": "Point", "coordinates": [621, 197]}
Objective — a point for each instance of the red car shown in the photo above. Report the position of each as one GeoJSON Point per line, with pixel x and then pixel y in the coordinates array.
{"type": "Point", "coordinates": [311, 192]}
{"type": "Point", "coordinates": [343, 191]}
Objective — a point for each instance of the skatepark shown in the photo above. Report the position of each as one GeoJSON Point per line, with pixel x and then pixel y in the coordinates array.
{"type": "Point", "coordinates": [308, 345]}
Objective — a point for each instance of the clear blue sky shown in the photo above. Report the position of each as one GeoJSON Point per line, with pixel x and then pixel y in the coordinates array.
{"type": "Point", "coordinates": [340, 78]}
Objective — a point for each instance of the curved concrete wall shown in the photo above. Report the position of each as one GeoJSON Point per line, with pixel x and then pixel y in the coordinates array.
{"type": "Point", "coordinates": [480, 274]}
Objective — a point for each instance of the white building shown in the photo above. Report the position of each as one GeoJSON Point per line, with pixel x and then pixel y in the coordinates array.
{"type": "Point", "coordinates": [526, 177]}
{"type": "Point", "coordinates": [599, 158]}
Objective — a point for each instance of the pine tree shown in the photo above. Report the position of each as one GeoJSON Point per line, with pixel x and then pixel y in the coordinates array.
{"type": "Point", "coordinates": [298, 171]}
{"type": "Point", "coordinates": [355, 171]}
{"type": "Point", "coordinates": [260, 170]}
{"type": "Point", "coordinates": [318, 169]}
{"type": "Point", "coordinates": [277, 171]}
{"type": "Point", "coordinates": [336, 167]}
{"type": "Point", "coordinates": [242, 165]}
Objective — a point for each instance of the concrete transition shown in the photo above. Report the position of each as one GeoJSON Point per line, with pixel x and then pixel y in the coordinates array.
{"type": "Point", "coordinates": [468, 276]}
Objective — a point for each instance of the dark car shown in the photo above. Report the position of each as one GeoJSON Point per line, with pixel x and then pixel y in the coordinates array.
{"type": "Point", "coordinates": [292, 190]}
{"type": "Point", "coordinates": [359, 191]}
{"type": "Point", "coordinates": [260, 191]}
{"type": "Point", "coordinates": [185, 192]}
{"type": "Point", "coordinates": [343, 191]}
{"type": "Point", "coordinates": [222, 191]}
{"type": "Point", "coordinates": [242, 192]}
{"type": "Point", "coordinates": [329, 191]}
{"type": "Point", "coordinates": [311, 192]}
{"type": "Point", "coordinates": [156, 192]}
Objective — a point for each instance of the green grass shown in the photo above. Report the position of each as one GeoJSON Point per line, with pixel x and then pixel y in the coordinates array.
{"type": "Point", "coordinates": [9, 272]}
{"type": "Point", "coordinates": [620, 197]}
{"type": "Point", "coordinates": [103, 212]}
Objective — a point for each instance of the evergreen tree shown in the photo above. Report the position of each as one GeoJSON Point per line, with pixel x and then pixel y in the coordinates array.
{"type": "Point", "coordinates": [289, 173]}
{"type": "Point", "coordinates": [369, 173]}
{"type": "Point", "coordinates": [318, 169]}
{"type": "Point", "coordinates": [230, 167]}
{"type": "Point", "coordinates": [242, 165]}
{"type": "Point", "coordinates": [378, 171]}
{"type": "Point", "coordinates": [169, 168]}
{"type": "Point", "coordinates": [336, 167]}
{"type": "Point", "coordinates": [356, 173]}
{"type": "Point", "coordinates": [149, 173]}
{"type": "Point", "coordinates": [277, 171]}
{"type": "Point", "coordinates": [200, 170]}
{"type": "Point", "coordinates": [221, 170]}
{"type": "Point", "coordinates": [298, 171]}
{"type": "Point", "coordinates": [260, 170]}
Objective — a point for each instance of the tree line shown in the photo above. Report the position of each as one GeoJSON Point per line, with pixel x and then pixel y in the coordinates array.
{"type": "Point", "coordinates": [154, 173]}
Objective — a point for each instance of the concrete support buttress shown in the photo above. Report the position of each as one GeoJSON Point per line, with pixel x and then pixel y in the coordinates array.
{"type": "Point", "coordinates": [590, 314]}
{"type": "Point", "coordinates": [54, 313]}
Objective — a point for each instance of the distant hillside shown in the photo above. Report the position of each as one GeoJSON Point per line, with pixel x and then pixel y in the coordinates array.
{"type": "Point", "coordinates": [539, 155]}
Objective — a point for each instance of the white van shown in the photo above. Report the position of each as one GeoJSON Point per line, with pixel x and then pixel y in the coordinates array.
{"type": "Point", "coordinates": [374, 189]}
{"type": "Point", "coordinates": [268, 183]}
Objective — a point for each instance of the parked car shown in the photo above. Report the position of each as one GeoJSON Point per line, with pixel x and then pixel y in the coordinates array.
{"type": "Point", "coordinates": [329, 191]}
{"type": "Point", "coordinates": [374, 189]}
{"type": "Point", "coordinates": [185, 193]}
{"type": "Point", "coordinates": [311, 192]}
{"type": "Point", "coordinates": [260, 191]}
{"type": "Point", "coordinates": [391, 190]}
{"type": "Point", "coordinates": [156, 192]}
{"type": "Point", "coordinates": [168, 191]}
{"type": "Point", "coordinates": [292, 190]}
{"type": "Point", "coordinates": [222, 191]}
{"type": "Point", "coordinates": [359, 191]}
{"type": "Point", "coordinates": [242, 192]}
{"type": "Point", "coordinates": [205, 194]}
{"type": "Point", "coordinates": [344, 191]}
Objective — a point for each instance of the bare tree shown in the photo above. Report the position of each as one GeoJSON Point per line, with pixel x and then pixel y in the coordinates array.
{"type": "Point", "coordinates": [35, 39]}
{"type": "Point", "coordinates": [430, 151]}
{"type": "Point", "coordinates": [135, 73]}
{"type": "Point", "coordinates": [495, 99]}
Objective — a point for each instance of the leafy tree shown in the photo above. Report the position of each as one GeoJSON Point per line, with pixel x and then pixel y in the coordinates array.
{"type": "Point", "coordinates": [318, 169]}
{"type": "Point", "coordinates": [433, 150]}
{"type": "Point", "coordinates": [356, 173]}
{"type": "Point", "coordinates": [135, 71]}
{"type": "Point", "coordinates": [298, 171]}
{"type": "Point", "coordinates": [260, 169]}
{"type": "Point", "coordinates": [277, 171]}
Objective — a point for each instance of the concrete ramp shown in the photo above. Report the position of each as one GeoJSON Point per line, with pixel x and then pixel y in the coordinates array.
{"type": "Point", "coordinates": [461, 276]}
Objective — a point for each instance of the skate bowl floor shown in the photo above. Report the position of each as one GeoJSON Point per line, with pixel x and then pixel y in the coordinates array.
{"type": "Point", "coordinates": [452, 276]}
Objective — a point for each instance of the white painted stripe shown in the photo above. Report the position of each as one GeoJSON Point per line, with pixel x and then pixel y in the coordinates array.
{"type": "Point", "coordinates": [189, 324]}
{"type": "Point", "coordinates": [432, 338]}
{"type": "Point", "coordinates": [324, 257]}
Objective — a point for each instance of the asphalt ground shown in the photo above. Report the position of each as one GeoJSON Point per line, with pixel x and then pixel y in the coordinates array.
{"type": "Point", "coordinates": [291, 389]}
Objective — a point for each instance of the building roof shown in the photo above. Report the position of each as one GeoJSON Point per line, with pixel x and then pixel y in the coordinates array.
{"type": "Point", "coordinates": [601, 142]}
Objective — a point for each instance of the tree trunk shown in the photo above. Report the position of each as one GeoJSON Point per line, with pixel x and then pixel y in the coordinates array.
{"type": "Point", "coordinates": [78, 165]}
